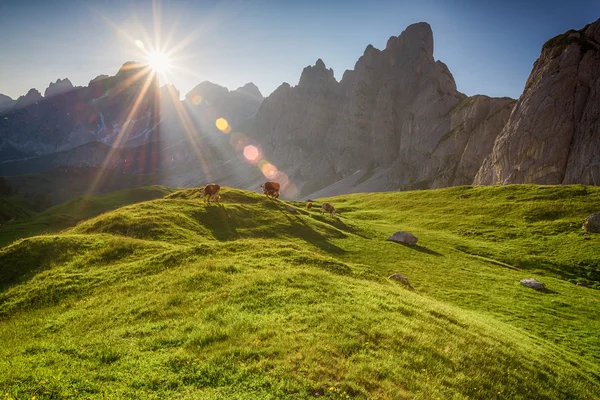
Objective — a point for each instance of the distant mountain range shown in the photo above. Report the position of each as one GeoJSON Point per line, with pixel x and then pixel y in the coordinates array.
{"type": "Point", "coordinates": [395, 121]}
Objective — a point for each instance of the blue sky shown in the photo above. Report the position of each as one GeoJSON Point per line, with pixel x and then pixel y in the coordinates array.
{"type": "Point", "coordinates": [489, 46]}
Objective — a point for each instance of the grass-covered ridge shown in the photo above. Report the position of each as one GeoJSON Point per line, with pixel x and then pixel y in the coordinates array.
{"type": "Point", "coordinates": [173, 298]}
{"type": "Point", "coordinates": [69, 213]}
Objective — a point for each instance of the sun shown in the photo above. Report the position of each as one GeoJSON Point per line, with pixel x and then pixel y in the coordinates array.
{"type": "Point", "coordinates": [158, 61]}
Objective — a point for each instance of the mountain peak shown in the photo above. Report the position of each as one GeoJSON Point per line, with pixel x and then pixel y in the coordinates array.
{"type": "Point", "coordinates": [251, 89]}
{"type": "Point", "coordinates": [58, 87]}
{"type": "Point", "coordinates": [316, 76]}
{"type": "Point", "coordinates": [32, 96]}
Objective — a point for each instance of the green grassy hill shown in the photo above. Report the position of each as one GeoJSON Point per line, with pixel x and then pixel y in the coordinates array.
{"type": "Point", "coordinates": [174, 298]}
{"type": "Point", "coordinates": [14, 206]}
{"type": "Point", "coordinates": [68, 214]}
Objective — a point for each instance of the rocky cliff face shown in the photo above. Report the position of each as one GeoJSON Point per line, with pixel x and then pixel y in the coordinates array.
{"type": "Point", "coordinates": [209, 101]}
{"type": "Point", "coordinates": [397, 112]}
{"type": "Point", "coordinates": [5, 102]}
{"type": "Point", "coordinates": [552, 136]}
{"type": "Point", "coordinates": [58, 87]}
{"type": "Point", "coordinates": [102, 112]}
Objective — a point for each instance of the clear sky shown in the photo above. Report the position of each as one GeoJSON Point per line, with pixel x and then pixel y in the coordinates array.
{"type": "Point", "coordinates": [489, 46]}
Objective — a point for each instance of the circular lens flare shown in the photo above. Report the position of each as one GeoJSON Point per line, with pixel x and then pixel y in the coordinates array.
{"type": "Point", "coordinates": [158, 61]}
{"type": "Point", "coordinates": [139, 44]}
{"type": "Point", "coordinates": [268, 170]}
{"type": "Point", "coordinates": [251, 153]}
{"type": "Point", "coordinates": [196, 99]}
{"type": "Point", "coordinates": [223, 125]}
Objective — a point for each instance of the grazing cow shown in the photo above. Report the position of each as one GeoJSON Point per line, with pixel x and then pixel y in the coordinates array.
{"type": "Point", "coordinates": [327, 208]}
{"type": "Point", "coordinates": [309, 206]}
{"type": "Point", "coordinates": [271, 189]}
{"type": "Point", "coordinates": [211, 190]}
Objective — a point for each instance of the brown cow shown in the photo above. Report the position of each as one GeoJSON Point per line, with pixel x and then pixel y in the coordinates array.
{"type": "Point", "coordinates": [327, 208]}
{"type": "Point", "coordinates": [309, 206]}
{"type": "Point", "coordinates": [211, 190]}
{"type": "Point", "coordinates": [271, 189]}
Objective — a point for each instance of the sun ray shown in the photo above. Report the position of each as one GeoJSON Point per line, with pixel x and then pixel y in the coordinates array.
{"type": "Point", "coordinates": [124, 132]}
{"type": "Point", "coordinates": [188, 128]}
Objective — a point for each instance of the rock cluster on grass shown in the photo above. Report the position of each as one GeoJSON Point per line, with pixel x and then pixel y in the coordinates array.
{"type": "Point", "coordinates": [403, 279]}
{"type": "Point", "coordinates": [404, 237]}
{"type": "Point", "coordinates": [533, 283]}
{"type": "Point", "coordinates": [592, 223]}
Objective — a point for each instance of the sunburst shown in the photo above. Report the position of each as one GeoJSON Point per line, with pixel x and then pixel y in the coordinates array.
{"type": "Point", "coordinates": [159, 62]}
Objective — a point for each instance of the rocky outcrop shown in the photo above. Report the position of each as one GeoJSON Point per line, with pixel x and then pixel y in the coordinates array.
{"type": "Point", "coordinates": [397, 112]}
{"type": "Point", "coordinates": [102, 112]}
{"type": "Point", "coordinates": [552, 134]}
{"type": "Point", "coordinates": [532, 283]}
{"type": "Point", "coordinates": [404, 238]}
{"type": "Point", "coordinates": [592, 223]}
{"type": "Point", "coordinates": [251, 90]}
{"type": "Point", "coordinates": [209, 101]}
{"type": "Point", "coordinates": [32, 97]}
{"type": "Point", "coordinates": [58, 87]}
{"type": "Point", "coordinates": [6, 102]}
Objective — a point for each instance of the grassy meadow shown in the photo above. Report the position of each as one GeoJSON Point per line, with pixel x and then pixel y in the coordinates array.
{"type": "Point", "coordinates": [152, 293]}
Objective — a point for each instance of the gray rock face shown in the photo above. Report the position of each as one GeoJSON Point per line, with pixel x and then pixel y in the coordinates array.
{"type": "Point", "coordinates": [6, 102]}
{"type": "Point", "coordinates": [398, 110]}
{"type": "Point", "coordinates": [532, 283]}
{"type": "Point", "coordinates": [209, 101]}
{"type": "Point", "coordinates": [404, 237]}
{"type": "Point", "coordinates": [403, 279]}
{"type": "Point", "coordinates": [32, 97]}
{"type": "Point", "coordinates": [252, 90]}
{"type": "Point", "coordinates": [552, 134]}
{"type": "Point", "coordinates": [592, 223]}
{"type": "Point", "coordinates": [58, 87]}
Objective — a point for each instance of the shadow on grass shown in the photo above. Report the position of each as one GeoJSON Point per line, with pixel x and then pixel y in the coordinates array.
{"type": "Point", "coordinates": [421, 249]}
{"type": "Point", "coordinates": [218, 220]}
{"type": "Point", "coordinates": [300, 229]}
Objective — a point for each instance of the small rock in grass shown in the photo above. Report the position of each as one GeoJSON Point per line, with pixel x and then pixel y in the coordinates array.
{"type": "Point", "coordinates": [533, 283]}
{"type": "Point", "coordinates": [404, 237]}
{"type": "Point", "coordinates": [403, 279]}
{"type": "Point", "coordinates": [291, 209]}
{"type": "Point", "coordinates": [592, 223]}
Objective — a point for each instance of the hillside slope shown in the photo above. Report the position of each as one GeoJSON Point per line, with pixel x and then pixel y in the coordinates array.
{"type": "Point", "coordinates": [69, 213]}
{"type": "Point", "coordinates": [174, 298]}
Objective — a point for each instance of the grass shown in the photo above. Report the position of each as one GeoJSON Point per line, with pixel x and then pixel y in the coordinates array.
{"type": "Point", "coordinates": [174, 298]}
{"type": "Point", "coordinates": [68, 214]}
{"type": "Point", "coordinates": [14, 206]}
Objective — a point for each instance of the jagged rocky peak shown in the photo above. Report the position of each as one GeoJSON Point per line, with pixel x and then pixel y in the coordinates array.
{"type": "Point", "coordinates": [133, 69]}
{"type": "Point", "coordinates": [99, 78]}
{"type": "Point", "coordinates": [209, 91]}
{"type": "Point", "coordinates": [32, 96]}
{"type": "Point", "coordinates": [416, 39]}
{"type": "Point", "coordinates": [552, 134]}
{"type": "Point", "coordinates": [251, 89]}
{"type": "Point", "coordinates": [317, 78]}
{"type": "Point", "coordinates": [58, 87]}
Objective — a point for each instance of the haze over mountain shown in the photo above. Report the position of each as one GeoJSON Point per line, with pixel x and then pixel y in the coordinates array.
{"type": "Point", "coordinates": [397, 120]}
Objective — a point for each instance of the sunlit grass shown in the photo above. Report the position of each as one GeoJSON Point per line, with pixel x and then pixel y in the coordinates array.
{"type": "Point", "coordinates": [173, 298]}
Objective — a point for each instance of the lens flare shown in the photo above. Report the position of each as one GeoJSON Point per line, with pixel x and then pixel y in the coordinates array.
{"type": "Point", "coordinates": [158, 61]}
{"type": "Point", "coordinates": [139, 44]}
{"type": "Point", "coordinates": [268, 169]}
{"type": "Point", "coordinates": [223, 125]}
{"type": "Point", "coordinates": [252, 153]}
{"type": "Point", "coordinates": [196, 99]}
